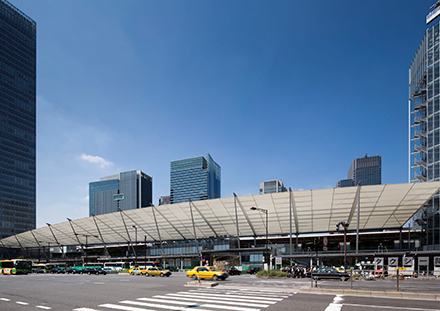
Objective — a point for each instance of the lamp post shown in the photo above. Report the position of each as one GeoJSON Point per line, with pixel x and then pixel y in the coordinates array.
{"type": "Point", "coordinates": [135, 239]}
{"type": "Point", "coordinates": [345, 226]}
{"type": "Point", "coordinates": [265, 211]}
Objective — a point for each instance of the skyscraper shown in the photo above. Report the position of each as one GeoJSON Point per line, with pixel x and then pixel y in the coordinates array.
{"type": "Point", "coordinates": [17, 120]}
{"type": "Point", "coordinates": [366, 170]}
{"type": "Point", "coordinates": [195, 178]}
{"type": "Point", "coordinates": [424, 110]}
{"type": "Point", "coordinates": [272, 186]}
{"type": "Point", "coordinates": [135, 186]}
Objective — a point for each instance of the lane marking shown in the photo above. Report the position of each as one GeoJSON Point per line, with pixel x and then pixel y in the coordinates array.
{"type": "Point", "coordinates": [336, 305]}
{"type": "Point", "coordinates": [194, 304]}
{"type": "Point", "coordinates": [118, 307]}
{"type": "Point", "coordinates": [5, 299]}
{"type": "Point", "coordinates": [218, 297]}
{"type": "Point", "coordinates": [84, 309]}
{"type": "Point", "coordinates": [182, 297]}
{"type": "Point", "coordinates": [388, 307]}
{"type": "Point", "coordinates": [234, 296]}
{"type": "Point", "coordinates": [22, 303]}
{"type": "Point", "coordinates": [154, 305]}
{"type": "Point", "coordinates": [43, 307]}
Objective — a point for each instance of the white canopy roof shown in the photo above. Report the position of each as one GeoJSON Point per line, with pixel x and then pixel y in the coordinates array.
{"type": "Point", "coordinates": [381, 207]}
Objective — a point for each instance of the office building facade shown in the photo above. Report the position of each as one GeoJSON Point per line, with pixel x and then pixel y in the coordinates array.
{"type": "Point", "coordinates": [135, 186]}
{"type": "Point", "coordinates": [424, 111]}
{"type": "Point", "coordinates": [17, 121]}
{"type": "Point", "coordinates": [196, 179]}
{"type": "Point", "coordinates": [366, 170]}
{"type": "Point", "coordinates": [272, 186]}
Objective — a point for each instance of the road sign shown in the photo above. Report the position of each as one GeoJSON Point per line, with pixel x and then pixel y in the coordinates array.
{"type": "Point", "coordinates": [325, 241]}
{"type": "Point", "coordinates": [437, 261]}
{"type": "Point", "coordinates": [325, 248]}
{"type": "Point", "coordinates": [393, 261]}
{"type": "Point", "coordinates": [408, 261]}
{"type": "Point", "coordinates": [278, 260]}
{"type": "Point", "coordinates": [378, 261]}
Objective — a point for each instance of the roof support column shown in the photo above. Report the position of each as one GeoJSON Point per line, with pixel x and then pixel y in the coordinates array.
{"type": "Point", "coordinates": [50, 228]}
{"type": "Point", "coordinates": [195, 234]}
{"type": "Point", "coordinates": [246, 216]}
{"type": "Point", "coordinates": [39, 246]}
{"type": "Point", "coordinates": [77, 238]}
{"type": "Point", "coordinates": [358, 217]}
{"type": "Point", "coordinates": [204, 218]}
{"type": "Point", "coordinates": [128, 234]}
{"type": "Point", "coordinates": [158, 233]}
{"type": "Point", "coordinates": [21, 246]}
{"type": "Point", "coordinates": [236, 223]}
{"type": "Point", "coordinates": [295, 214]}
{"type": "Point", "coordinates": [102, 239]}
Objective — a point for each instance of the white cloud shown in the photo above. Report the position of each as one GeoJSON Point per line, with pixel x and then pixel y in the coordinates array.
{"type": "Point", "coordinates": [96, 160]}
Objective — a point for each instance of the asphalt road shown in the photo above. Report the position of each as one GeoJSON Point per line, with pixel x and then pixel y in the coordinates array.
{"type": "Point", "coordinates": [136, 293]}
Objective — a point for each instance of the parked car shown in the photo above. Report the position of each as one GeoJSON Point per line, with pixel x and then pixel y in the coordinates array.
{"type": "Point", "coordinates": [57, 271]}
{"type": "Point", "coordinates": [330, 273]}
{"type": "Point", "coordinates": [93, 271]}
{"type": "Point", "coordinates": [37, 270]}
{"type": "Point", "coordinates": [72, 271]}
{"type": "Point", "coordinates": [253, 270]}
{"type": "Point", "coordinates": [152, 271]}
{"type": "Point", "coordinates": [232, 271]}
{"type": "Point", "coordinates": [134, 271]}
{"type": "Point", "coordinates": [206, 273]}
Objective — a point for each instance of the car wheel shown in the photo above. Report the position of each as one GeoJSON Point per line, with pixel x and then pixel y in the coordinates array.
{"type": "Point", "coordinates": [146, 274]}
{"type": "Point", "coordinates": [168, 275]}
{"type": "Point", "coordinates": [161, 275]}
{"type": "Point", "coordinates": [215, 278]}
{"type": "Point", "coordinates": [194, 277]}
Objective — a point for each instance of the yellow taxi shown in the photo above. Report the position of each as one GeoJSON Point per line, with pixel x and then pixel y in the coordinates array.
{"type": "Point", "coordinates": [206, 273]}
{"type": "Point", "coordinates": [135, 271]}
{"type": "Point", "coordinates": [155, 271]}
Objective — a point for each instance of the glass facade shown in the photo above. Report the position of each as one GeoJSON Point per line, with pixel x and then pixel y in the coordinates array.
{"type": "Point", "coordinates": [272, 186]}
{"type": "Point", "coordinates": [194, 178]}
{"type": "Point", "coordinates": [136, 187]}
{"type": "Point", "coordinates": [424, 94]}
{"type": "Point", "coordinates": [366, 170]}
{"type": "Point", "coordinates": [17, 121]}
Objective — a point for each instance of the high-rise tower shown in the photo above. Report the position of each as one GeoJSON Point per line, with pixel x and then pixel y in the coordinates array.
{"type": "Point", "coordinates": [424, 110]}
{"type": "Point", "coordinates": [195, 178]}
{"type": "Point", "coordinates": [17, 120]}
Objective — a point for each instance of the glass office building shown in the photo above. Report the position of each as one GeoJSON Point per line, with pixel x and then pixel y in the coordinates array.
{"type": "Point", "coordinates": [424, 110]}
{"type": "Point", "coordinates": [195, 179]}
{"type": "Point", "coordinates": [135, 186]}
{"type": "Point", "coordinates": [17, 120]}
{"type": "Point", "coordinates": [366, 170]}
{"type": "Point", "coordinates": [272, 186]}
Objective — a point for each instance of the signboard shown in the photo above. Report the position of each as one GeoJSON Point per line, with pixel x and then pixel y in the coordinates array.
{"type": "Point", "coordinates": [393, 261]}
{"type": "Point", "coordinates": [400, 268]}
{"type": "Point", "coordinates": [325, 241]}
{"type": "Point", "coordinates": [423, 261]}
{"type": "Point", "coordinates": [325, 248]}
{"type": "Point", "coordinates": [278, 260]}
{"type": "Point", "coordinates": [378, 261]}
{"type": "Point", "coordinates": [437, 261]}
{"type": "Point", "coordinates": [118, 197]}
{"type": "Point", "coordinates": [408, 261]}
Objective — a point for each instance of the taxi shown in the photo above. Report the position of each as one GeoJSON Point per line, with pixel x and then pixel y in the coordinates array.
{"type": "Point", "coordinates": [153, 271]}
{"type": "Point", "coordinates": [135, 271]}
{"type": "Point", "coordinates": [206, 273]}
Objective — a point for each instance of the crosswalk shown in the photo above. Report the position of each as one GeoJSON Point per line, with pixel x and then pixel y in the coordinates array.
{"type": "Point", "coordinates": [199, 299]}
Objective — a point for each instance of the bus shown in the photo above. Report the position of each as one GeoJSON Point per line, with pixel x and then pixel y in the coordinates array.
{"type": "Point", "coordinates": [15, 266]}
{"type": "Point", "coordinates": [113, 266]}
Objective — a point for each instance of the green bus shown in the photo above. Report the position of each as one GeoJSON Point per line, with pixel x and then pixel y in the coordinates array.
{"type": "Point", "coordinates": [15, 266]}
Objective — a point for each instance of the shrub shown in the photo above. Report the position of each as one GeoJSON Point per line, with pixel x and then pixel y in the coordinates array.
{"type": "Point", "coordinates": [272, 274]}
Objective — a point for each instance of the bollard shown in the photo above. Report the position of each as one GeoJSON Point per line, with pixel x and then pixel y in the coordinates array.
{"type": "Point", "coordinates": [398, 278]}
{"type": "Point", "coordinates": [311, 278]}
{"type": "Point", "coordinates": [351, 279]}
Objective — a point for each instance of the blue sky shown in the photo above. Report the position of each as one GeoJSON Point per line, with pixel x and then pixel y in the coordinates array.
{"type": "Point", "coordinates": [291, 90]}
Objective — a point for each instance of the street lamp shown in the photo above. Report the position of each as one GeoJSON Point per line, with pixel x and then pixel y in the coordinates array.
{"type": "Point", "coordinates": [265, 211]}
{"type": "Point", "coordinates": [345, 226]}
{"type": "Point", "coordinates": [136, 238]}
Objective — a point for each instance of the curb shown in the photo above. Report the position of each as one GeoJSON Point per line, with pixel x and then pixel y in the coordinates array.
{"type": "Point", "coordinates": [365, 293]}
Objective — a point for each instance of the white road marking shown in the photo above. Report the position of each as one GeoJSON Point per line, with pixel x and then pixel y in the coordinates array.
{"type": "Point", "coordinates": [84, 309]}
{"type": "Point", "coordinates": [22, 303]}
{"type": "Point", "coordinates": [126, 308]}
{"type": "Point", "coordinates": [336, 305]}
{"type": "Point", "coordinates": [5, 299]}
{"type": "Point", "coordinates": [388, 307]}
{"type": "Point", "coordinates": [43, 307]}
{"type": "Point", "coordinates": [193, 303]}
{"type": "Point", "coordinates": [240, 298]}
{"type": "Point", "coordinates": [155, 305]}
{"type": "Point", "coordinates": [202, 299]}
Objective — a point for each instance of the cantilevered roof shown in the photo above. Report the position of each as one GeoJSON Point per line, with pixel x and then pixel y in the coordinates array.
{"type": "Point", "coordinates": [381, 207]}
